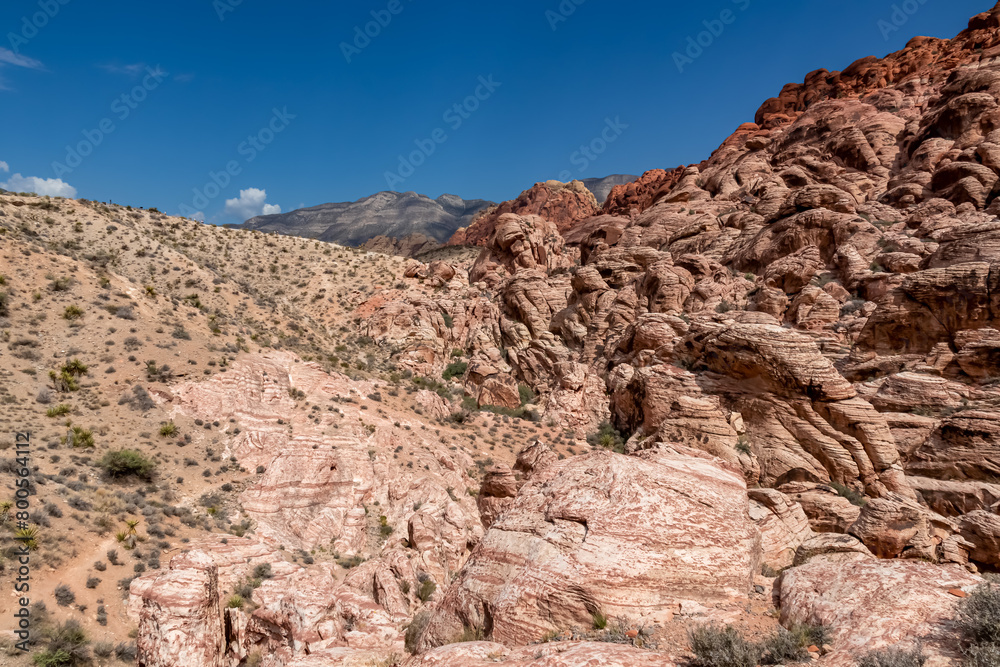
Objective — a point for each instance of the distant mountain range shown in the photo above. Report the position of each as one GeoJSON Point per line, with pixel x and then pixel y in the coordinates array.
{"type": "Point", "coordinates": [601, 187]}
{"type": "Point", "coordinates": [392, 214]}
{"type": "Point", "coordinates": [396, 215]}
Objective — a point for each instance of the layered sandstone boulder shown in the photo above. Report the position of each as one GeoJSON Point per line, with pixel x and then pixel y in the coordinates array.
{"type": "Point", "coordinates": [179, 614]}
{"type": "Point", "coordinates": [322, 469]}
{"type": "Point", "coordinates": [870, 604]}
{"type": "Point", "coordinates": [628, 536]}
{"type": "Point", "coordinates": [554, 654]}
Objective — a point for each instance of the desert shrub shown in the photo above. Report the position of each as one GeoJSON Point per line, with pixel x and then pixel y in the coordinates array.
{"type": "Point", "coordinates": [526, 394]}
{"type": "Point", "coordinates": [100, 566]}
{"type": "Point", "coordinates": [851, 307]}
{"type": "Point", "coordinates": [125, 313]}
{"type": "Point", "coordinates": [72, 313]}
{"type": "Point", "coordinates": [180, 333]}
{"type": "Point", "coordinates": [262, 571]}
{"type": "Point", "coordinates": [415, 629]}
{"type": "Point", "coordinates": [4, 304]}
{"type": "Point", "coordinates": [127, 463]}
{"type": "Point", "coordinates": [58, 410]}
{"type": "Point", "coordinates": [715, 646]}
{"type": "Point", "coordinates": [80, 437]}
{"type": "Point", "coordinates": [64, 595]}
{"type": "Point", "coordinates": [893, 657]}
{"type": "Point", "coordinates": [235, 602]}
{"type": "Point", "coordinates": [112, 555]}
{"type": "Point", "coordinates": [169, 429]}
{"type": "Point", "coordinates": [104, 649]}
{"type": "Point", "coordinates": [979, 615]}
{"type": "Point", "coordinates": [608, 437]}
{"type": "Point", "coordinates": [983, 655]}
{"type": "Point", "coordinates": [455, 369]}
{"type": "Point", "coordinates": [138, 400]}
{"type": "Point", "coordinates": [855, 497]}
{"type": "Point", "coordinates": [979, 622]}
{"type": "Point", "coordinates": [92, 582]}
{"type": "Point", "coordinates": [66, 646]}
{"type": "Point", "coordinates": [426, 590]}
{"type": "Point", "coordinates": [783, 647]}
{"type": "Point", "coordinates": [126, 651]}
{"type": "Point", "coordinates": [61, 284]}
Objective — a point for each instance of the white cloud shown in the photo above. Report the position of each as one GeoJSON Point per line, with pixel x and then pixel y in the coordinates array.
{"type": "Point", "coordinates": [251, 203]}
{"type": "Point", "coordinates": [53, 187]}
{"type": "Point", "coordinates": [9, 57]}
{"type": "Point", "coordinates": [4, 167]}
{"type": "Point", "coordinates": [128, 70]}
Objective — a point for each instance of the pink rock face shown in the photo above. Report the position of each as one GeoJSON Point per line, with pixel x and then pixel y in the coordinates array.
{"type": "Point", "coordinates": [804, 416]}
{"type": "Point", "coordinates": [518, 243]}
{"type": "Point", "coordinates": [782, 524]}
{"type": "Point", "coordinates": [179, 615]}
{"type": "Point", "coordinates": [319, 476]}
{"type": "Point", "coordinates": [871, 604]}
{"type": "Point", "coordinates": [628, 536]}
{"type": "Point", "coordinates": [554, 654]}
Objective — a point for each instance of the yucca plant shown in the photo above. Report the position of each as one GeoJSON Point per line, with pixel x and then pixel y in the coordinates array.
{"type": "Point", "coordinates": [28, 536]}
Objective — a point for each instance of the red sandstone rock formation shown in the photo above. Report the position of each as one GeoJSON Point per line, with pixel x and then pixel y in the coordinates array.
{"type": "Point", "coordinates": [563, 204]}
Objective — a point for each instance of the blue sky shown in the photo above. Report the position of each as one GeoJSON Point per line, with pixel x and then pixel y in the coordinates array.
{"type": "Point", "coordinates": [235, 107]}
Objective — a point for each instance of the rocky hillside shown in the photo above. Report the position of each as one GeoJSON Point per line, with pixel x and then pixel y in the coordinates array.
{"type": "Point", "coordinates": [390, 214]}
{"type": "Point", "coordinates": [750, 406]}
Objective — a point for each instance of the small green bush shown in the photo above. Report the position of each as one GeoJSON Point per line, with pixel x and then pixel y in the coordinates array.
{"type": "Point", "coordinates": [608, 437]}
{"type": "Point", "coordinates": [855, 497]}
{"type": "Point", "coordinates": [426, 590]}
{"type": "Point", "coordinates": [80, 437]}
{"type": "Point", "coordinates": [893, 657]}
{"type": "Point", "coordinates": [415, 629]}
{"type": "Point", "coordinates": [526, 394]}
{"type": "Point", "coordinates": [722, 647]}
{"type": "Point", "coordinates": [72, 313]}
{"type": "Point", "coordinates": [783, 647]}
{"type": "Point", "coordinates": [64, 595]}
{"type": "Point", "coordinates": [979, 615]}
{"type": "Point", "coordinates": [169, 429]}
{"type": "Point", "coordinates": [979, 622]}
{"type": "Point", "coordinates": [127, 463]}
{"type": "Point", "coordinates": [983, 655]}
{"type": "Point", "coordinates": [58, 410]}
{"type": "Point", "coordinates": [455, 369]}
